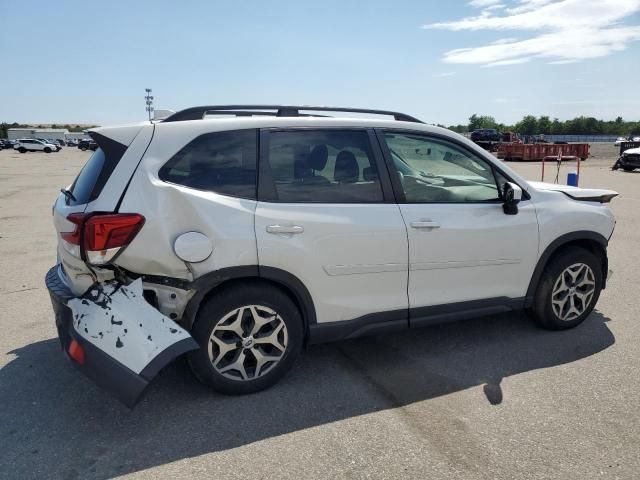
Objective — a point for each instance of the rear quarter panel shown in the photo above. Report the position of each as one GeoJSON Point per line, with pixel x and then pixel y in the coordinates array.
{"type": "Point", "coordinates": [171, 210]}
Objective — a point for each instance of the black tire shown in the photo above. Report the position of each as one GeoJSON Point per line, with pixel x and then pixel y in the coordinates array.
{"type": "Point", "coordinates": [22, 150]}
{"type": "Point", "coordinates": [628, 169]}
{"type": "Point", "coordinates": [543, 310]}
{"type": "Point", "coordinates": [47, 150]}
{"type": "Point", "coordinates": [84, 149]}
{"type": "Point", "coordinates": [222, 304]}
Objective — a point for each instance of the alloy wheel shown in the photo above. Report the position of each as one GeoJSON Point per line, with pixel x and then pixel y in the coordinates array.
{"type": "Point", "coordinates": [573, 292]}
{"type": "Point", "coordinates": [248, 342]}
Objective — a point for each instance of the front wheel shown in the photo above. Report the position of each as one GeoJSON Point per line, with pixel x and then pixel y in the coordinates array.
{"type": "Point", "coordinates": [568, 290]}
{"type": "Point", "coordinates": [22, 150]}
{"type": "Point", "coordinates": [47, 150]}
{"type": "Point", "coordinates": [249, 337]}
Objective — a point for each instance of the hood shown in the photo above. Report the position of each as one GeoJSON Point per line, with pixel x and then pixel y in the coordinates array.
{"type": "Point", "coordinates": [577, 193]}
{"type": "Point", "coordinates": [632, 151]}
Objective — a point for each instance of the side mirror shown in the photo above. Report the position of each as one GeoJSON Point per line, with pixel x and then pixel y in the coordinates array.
{"type": "Point", "coordinates": [511, 194]}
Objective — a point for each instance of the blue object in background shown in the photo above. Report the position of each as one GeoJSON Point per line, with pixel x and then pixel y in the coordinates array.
{"type": "Point", "coordinates": [572, 179]}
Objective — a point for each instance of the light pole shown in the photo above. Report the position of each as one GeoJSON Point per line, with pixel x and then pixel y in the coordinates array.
{"type": "Point", "coordinates": [149, 100]}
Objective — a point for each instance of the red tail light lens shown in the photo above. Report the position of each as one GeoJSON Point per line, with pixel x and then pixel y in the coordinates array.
{"type": "Point", "coordinates": [74, 237]}
{"type": "Point", "coordinates": [103, 235]}
{"type": "Point", "coordinates": [103, 232]}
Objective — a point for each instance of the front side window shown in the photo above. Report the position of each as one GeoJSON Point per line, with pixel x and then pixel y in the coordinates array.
{"type": "Point", "coordinates": [432, 170]}
{"type": "Point", "coordinates": [324, 166]}
{"type": "Point", "coordinates": [220, 162]}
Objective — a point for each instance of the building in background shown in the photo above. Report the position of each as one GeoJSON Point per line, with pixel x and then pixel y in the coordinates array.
{"type": "Point", "coordinates": [77, 136]}
{"type": "Point", "coordinates": [48, 133]}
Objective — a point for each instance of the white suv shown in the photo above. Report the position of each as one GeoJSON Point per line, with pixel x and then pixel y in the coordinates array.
{"type": "Point", "coordinates": [241, 233]}
{"type": "Point", "coordinates": [34, 145]}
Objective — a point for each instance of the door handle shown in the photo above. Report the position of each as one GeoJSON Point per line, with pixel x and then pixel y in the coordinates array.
{"type": "Point", "coordinates": [284, 229]}
{"type": "Point", "coordinates": [425, 224]}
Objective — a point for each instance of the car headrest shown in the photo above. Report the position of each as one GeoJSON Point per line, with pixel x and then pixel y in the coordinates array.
{"type": "Point", "coordinates": [347, 169]}
{"type": "Point", "coordinates": [369, 174]}
{"type": "Point", "coordinates": [318, 157]}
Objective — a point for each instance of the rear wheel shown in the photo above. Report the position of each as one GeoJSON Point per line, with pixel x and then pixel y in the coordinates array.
{"type": "Point", "coordinates": [628, 169]}
{"type": "Point", "coordinates": [568, 290]}
{"type": "Point", "coordinates": [22, 150]}
{"type": "Point", "coordinates": [249, 337]}
{"type": "Point", "coordinates": [84, 149]}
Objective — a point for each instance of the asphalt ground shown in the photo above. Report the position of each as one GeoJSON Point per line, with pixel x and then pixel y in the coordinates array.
{"type": "Point", "coordinates": [494, 398]}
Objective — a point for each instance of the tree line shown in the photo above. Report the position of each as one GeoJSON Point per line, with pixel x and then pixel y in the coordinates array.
{"type": "Point", "coordinates": [531, 125]}
{"type": "Point", "coordinates": [4, 127]}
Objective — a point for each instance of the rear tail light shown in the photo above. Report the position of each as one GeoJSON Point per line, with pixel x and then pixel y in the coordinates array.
{"type": "Point", "coordinates": [102, 236]}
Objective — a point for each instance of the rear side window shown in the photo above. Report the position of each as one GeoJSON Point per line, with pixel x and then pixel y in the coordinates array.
{"type": "Point", "coordinates": [323, 166]}
{"type": "Point", "coordinates": [94, 175]}
{"type": "Point", "coordinates": [86, 180]}
{"type": "Point", "coordinates": [220, 162]}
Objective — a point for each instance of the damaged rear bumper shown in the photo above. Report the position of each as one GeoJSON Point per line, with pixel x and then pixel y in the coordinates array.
{"type": "Point", "coordinates": [125, 379]}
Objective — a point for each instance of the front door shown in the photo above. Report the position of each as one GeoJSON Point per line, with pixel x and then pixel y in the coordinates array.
{"type": "Point", "coordinates": [462, 246]}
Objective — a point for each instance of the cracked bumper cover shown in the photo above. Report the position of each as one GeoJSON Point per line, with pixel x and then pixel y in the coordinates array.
{"type": "Point", "coordinates": [126, 341]}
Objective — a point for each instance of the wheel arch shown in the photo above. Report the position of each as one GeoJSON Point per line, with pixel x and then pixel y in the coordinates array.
{"type": "Point", "coordinates": [213, 282]}
{"type": "Point", "coordinates": [594, 242]}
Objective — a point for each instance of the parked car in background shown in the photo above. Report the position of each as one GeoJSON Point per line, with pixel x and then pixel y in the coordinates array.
{"type": "Point", "coordinates": [87, 145]}
{"type": "Point", "coordinates": [72, 142]}
{"type": "Point", "coordinates": [169, 241]}
{"type": "Point", "coordinates": [629, 160]}
{"type": "Point", "coordinates": [51, 142]}
{"type": "Point", "coordinates": [7, 144]}
{"type": "Point", "coordinates": [619, 140]}
{"type": "Point", "coordinates": [487, 138]}
{"type": "Point", "coordinates": [485, 135]}
{"type": "Point", "coordinates": [24, 145]}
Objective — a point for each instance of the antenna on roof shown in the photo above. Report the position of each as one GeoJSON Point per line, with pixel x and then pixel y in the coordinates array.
{"type": "Point", "coordinates": [149, 100]}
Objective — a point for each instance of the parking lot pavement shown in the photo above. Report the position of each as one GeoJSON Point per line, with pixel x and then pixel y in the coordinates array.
{"type": "Point", "coordinates": [492, 398]}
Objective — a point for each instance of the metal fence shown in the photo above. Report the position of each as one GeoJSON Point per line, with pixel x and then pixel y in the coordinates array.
{"type": "Point", "coordinates": [570, 138]}
{"type": "Point", "coordinates": [581, 138]}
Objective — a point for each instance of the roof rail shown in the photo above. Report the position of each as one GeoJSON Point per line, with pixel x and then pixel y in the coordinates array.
{"type": "Point", "coordinates": [198, 113]}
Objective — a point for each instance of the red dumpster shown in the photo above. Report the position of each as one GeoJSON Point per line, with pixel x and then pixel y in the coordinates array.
{"type": "Point", "coordinates": [537, 151]}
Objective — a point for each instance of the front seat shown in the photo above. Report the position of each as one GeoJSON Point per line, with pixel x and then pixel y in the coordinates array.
{"type": "Point", "coordinates": [347, 169]}
{"type": "Point", "coordinates": [316, 161]}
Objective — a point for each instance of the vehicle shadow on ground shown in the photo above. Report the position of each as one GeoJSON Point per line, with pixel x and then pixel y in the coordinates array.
{"type": "Point", "coordinates": [54, 422]}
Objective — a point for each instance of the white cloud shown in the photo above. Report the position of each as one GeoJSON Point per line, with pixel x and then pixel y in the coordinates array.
{"type": "Point", "coordinates": [569, 31]}
{"type": "Point", "coordinates": [483, 3]}
{"type": "Point", "coordinates": [562, 46]}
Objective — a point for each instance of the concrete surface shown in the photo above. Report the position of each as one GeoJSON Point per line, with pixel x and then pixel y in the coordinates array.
{"type": "Point", "coordinates": [492, 398]}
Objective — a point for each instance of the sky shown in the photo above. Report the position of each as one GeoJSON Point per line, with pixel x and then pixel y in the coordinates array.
{"type": "Point", "coordinates": [439, 60]}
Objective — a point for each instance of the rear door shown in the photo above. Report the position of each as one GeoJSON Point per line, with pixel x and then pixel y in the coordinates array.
{"type": "Point", "coordinates": [327, 217]}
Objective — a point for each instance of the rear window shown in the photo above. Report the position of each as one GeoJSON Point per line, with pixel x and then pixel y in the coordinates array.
{"type": "Point", "coordinates": [94, 175]}
{"type": "Point", "coordinates": [83, 185]}
{"type": "Point", "coordinates": [220, 162]}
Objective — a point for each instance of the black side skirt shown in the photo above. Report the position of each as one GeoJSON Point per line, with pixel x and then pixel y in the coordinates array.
{"type": "Point", "coordinates": [387, 322]}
